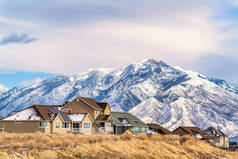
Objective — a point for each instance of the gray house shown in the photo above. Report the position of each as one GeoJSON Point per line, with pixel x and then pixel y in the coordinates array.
{"type": "Point", "coordinates": [123, 121]}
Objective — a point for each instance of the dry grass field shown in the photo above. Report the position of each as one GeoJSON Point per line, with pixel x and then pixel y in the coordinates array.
{"type": "Point", "coordinates": [71, 146]}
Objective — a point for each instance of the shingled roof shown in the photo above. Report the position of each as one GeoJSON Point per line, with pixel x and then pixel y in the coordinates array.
{"type": "Point", "coordinates": [214, 132]}
{"type": "Point", "coordinates": [91, 102]}
{"type": "Point", "coordinates": [195, 130]}
{"type": "Point", "coordinates": [43, 110]}
{"type": "Point", "coordinates": [103, 105]}
{"type": "Point", "coordinates": [102, 118]}
{"type": "Point", "coordinates": [126, 119]}
{"type": "Point", "coordinates": [159, 128]}
{"type": "Point", "coordinates": [38, 112]}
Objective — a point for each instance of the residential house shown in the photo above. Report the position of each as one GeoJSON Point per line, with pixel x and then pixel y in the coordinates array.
{"type": "Point", "coordinates": [81, 115]}
{"type": "Point", "coordinates": [219, 138]}
{"type": "Point", "coordinates": [156, 128]}
{"type": "Point", "coordinates": [194, 131]}
{"type": "Point", "coordinates": [99, 111]}
{"type": "Point", "coordinates": [123, 121]}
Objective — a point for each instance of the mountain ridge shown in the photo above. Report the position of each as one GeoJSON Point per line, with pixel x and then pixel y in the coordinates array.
{"type": "Point", "coordinates": [152, 90]}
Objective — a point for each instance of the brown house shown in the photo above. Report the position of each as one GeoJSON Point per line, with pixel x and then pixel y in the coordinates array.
{"type": "Point", "coordinates": [83, 115]}
{"type": "Point", "coordinates": [158, 129]}
{"type": "Point", "coordinates": [194, 131]}
{"type": "Point", "coordinates": [219, 138]}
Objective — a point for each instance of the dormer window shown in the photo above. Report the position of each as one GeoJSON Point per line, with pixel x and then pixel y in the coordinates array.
{"type": "Point", "coordinates": [67, 111]}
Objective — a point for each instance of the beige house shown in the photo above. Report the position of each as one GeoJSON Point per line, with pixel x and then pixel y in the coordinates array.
{"type": "Point", "coordinates": [219, 138]}
{"type": "Point", "coordinates": [82, 115]}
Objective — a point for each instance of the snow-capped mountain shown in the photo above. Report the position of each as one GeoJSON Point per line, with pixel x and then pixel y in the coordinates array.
{"type": "Point", "coordinates": [150, 89]}
{"type": "Point", "coordinates": [3, 89]}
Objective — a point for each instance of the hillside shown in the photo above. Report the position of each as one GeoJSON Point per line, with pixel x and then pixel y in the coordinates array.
{"type": "Point", "coordinates": [152, 90]}
{"type": "Point", "coordinates": [61, 146]}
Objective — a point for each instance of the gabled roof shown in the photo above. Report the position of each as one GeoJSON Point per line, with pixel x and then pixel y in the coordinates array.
{"type": "Point", "coordinates": [160, 128]}
{"type": "Point", "coordinates": [91, 102]}
{"type": "Point", "coordinates": [103, 105]}
{"type": "Point", "coordinates": [126, 119]}
{"type": "Point", "coordinates": [43, 111]}
{"type": "Point", "coordinates": [102, 118]}
{"type": "Point", "coordinates": [214, 132]}
{"type": "Point", "coordinates": [195, 130]}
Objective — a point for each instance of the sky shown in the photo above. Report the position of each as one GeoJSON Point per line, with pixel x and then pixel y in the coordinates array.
{"type": "Point", "coordinates": [41, 38]}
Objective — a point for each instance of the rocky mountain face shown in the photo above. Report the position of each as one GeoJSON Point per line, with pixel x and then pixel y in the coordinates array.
{"type": "Point", "coordinates": [152, 90]}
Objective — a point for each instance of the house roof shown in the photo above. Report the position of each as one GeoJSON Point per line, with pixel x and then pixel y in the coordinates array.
{"type": "Point", "coordinates": [76, 117]}
{"type": "Point", "coordinates": [158, 127]}
{"type": "Point", "coordinates": [126, 119]}
{"type": "Point", "coordinates": [103, 105]}
{"type": "Point", "coordinates": [102, 118]}
{"type": "Point", "coordinates": [38, 112]}
{"type": "Point", "coordinates": [214, 132]}
{"type": "Point", "coordinates": [44, 112]}
{"type": "Point", "coordinates": [62, 114]}
{"type": "Point", "coordinates": [29, 113]}
{"type": "Point", "coordinates": [195, 130]}
{"type": "Point", "coordinates": [91, 102]}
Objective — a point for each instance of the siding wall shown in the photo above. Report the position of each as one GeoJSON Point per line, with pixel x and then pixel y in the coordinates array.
{"type": "Point", "coordinates": [59, 130]}
{"type": "Point", "coordinates": [23, 127]}
{"type": "Point", "coordinates": [88, 120]}
{"type": "Point", "coordinates": [80, 107]}
{"type": "Point", "coordinates": [107, 110]}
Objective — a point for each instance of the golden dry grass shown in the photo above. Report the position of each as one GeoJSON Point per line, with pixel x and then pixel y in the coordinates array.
{"type": "Point", "coordinates": [71, 146]}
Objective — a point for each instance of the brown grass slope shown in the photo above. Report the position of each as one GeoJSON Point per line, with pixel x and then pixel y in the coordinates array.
{"type": "Point", "coordinates": [70, 146]}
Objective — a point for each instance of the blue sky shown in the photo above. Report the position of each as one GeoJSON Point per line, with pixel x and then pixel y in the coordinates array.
{"type": "Point", "coordinates": [41, 38]}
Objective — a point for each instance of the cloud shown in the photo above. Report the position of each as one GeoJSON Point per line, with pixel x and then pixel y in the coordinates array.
{"type": "Point", "coordinates": [77, 35]}
{"type": "Point", "coordinates": [20, 38]}
{"type": "Point", "coordinates": [218, 66]}
{"type": "Point", "coordinates": [30, 82]}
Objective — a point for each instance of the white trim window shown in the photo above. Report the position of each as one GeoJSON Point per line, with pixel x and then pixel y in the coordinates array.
{"type": "Point", "coordinates": [86, 125]}
{"type": "Point", "coordinates": [107, 124]}
{"type": "Point", "coordinates": [57, 124]}
{"type": "Point", "coordinates": [43, 124]}
{"type": "Point", "coordinates": [65, 125]}
{"type": "Point", "coordinates": [67, 110]}
{"type": "Point", "coordinates": [136, 129]}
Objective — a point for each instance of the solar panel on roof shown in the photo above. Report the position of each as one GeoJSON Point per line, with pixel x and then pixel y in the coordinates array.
{"type": "Point", "coordinates": [63, 116]}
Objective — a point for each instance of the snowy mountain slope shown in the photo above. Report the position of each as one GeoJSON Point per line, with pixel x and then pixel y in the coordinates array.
{"type": "Point", "coordinates": [3, 89]}
{"type": "Point", "coordinates": [150, 89]}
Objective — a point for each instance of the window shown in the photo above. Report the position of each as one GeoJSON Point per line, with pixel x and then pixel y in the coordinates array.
{"type": "Point", "coordinates": [57, 124]}
{"type": "Point", "coordinates": [136, 129]}
{"type": "Point", "coordinates": [67, 110]}
{"type": "Point", "coordinates": [86, 125]}
{"type": "Point", "coordinates": [143, 129]}
{"type": "Point", "coordinates": [65, 125]}
{"type": "Point", "coordinates": [43, 124]}
{"type": "Point", "coordinates": [96, 112]}
{"type": "Point", "coordinates": [107, 124]}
